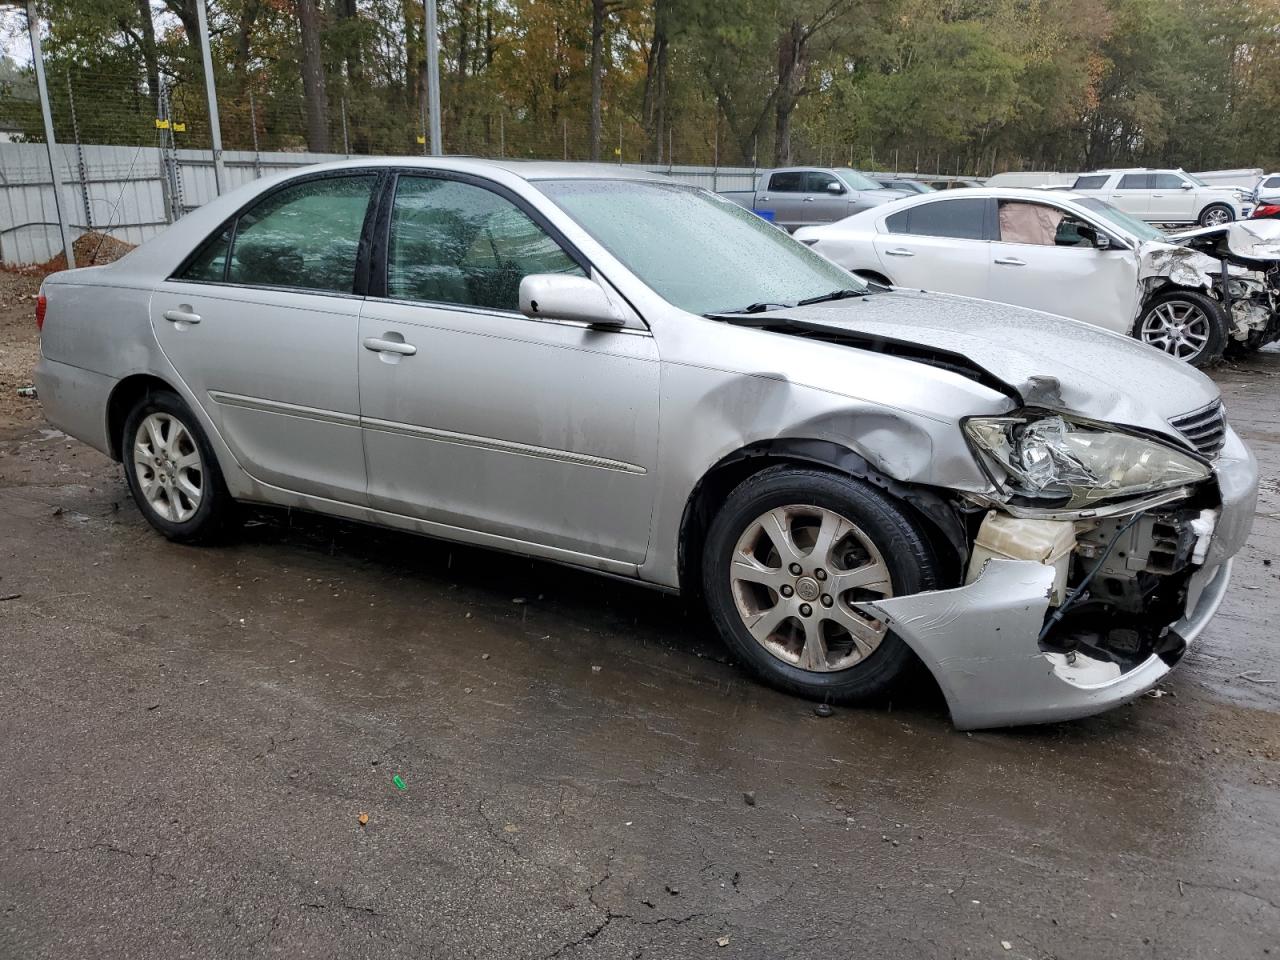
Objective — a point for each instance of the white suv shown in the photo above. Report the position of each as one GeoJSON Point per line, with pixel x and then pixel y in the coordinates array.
{"type": "Point", "coordinates": [1165, 196]}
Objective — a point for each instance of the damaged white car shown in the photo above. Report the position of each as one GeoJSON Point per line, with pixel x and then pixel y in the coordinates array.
{"type": "Point", "coordinates": [1194, 295]}
{"type": "Point", "coordinates": [629, 375]}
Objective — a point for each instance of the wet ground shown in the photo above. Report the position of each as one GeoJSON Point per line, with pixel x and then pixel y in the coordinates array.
{"type": "Point", "coordinates": [189, 738]}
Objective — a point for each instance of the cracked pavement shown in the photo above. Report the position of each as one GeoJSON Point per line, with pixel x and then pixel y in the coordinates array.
{"type": "Point", "coordinates": [188, 737]}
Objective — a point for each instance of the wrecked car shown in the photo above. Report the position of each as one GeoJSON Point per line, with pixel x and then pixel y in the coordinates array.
{"type": "Point", "coordinates": [614, 371]}
{"type": "Point", "coordinates": [1194, 298]}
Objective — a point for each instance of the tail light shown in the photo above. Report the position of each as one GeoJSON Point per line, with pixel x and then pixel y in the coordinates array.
{"type": "Point", "coordinates": [1266, 210]}
{"type": "Point", "coordinates": [42, 304]}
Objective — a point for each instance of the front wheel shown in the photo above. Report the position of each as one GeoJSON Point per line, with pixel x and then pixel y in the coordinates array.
{"type": "Point", "coordinates": [172, 472]}
{"type": "Point", "coordinates": [1186, 325]}
{"type": "Point", "coordinates": [786, 559]}
{"type": "Point", "coordinates": [1216, 214]}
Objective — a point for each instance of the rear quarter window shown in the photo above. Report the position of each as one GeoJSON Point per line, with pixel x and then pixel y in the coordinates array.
{"type": "Point", "coordinates": [959, 219]}
{"type": "Point", "coordinates": [1090, 182]}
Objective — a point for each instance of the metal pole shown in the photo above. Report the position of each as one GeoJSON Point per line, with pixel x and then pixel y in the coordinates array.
{"type": "Point", "coordinates": [50, 142]}
{"type": "Point", "coordinates": [502, 136]}
{"type": "Point", "coordinates": [564, 127]}
{"type": "Point", "coordinates": [433, 74]}
{"type": "Point", "coordinates": [211, 94]}
{"type": "Point", "coordinates": [346, 143]}
{"type": "Point", "coordinates": [253, 128]}
{"type": "Point", "coordinates": [619, 143]}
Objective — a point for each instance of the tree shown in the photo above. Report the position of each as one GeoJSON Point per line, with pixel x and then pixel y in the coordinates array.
{"type": "Point", "coordinates": [316, 99]}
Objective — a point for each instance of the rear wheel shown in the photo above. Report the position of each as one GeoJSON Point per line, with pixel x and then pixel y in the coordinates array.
{"type": "Point", "coordinates": [787, 558]}
{"type": "Point", "coordinates": [1216, 214]}
{"type": "Point", "coordinates": [1186, 325]}
{"type": "Point", "coordinates": [172, 472]}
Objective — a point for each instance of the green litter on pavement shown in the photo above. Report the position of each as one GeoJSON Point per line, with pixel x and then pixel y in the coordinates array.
{"type": "Point", "coordinates": [398, 782]}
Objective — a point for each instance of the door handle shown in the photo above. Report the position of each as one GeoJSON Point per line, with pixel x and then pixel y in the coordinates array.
{"type": "Point", "coordinates": [389, 346]}
{"type": "Point", "coordinates": [1011, 261]}
{"type": "Point", "coordinates": [807, 199]}
{"type": "Point", "coordinates": [182, 316]}
{"type": "Point", "coordinates": [899, 252]}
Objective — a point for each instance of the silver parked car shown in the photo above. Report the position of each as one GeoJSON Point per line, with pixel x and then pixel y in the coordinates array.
{"type": "Point", "coordinates": [618, 372]}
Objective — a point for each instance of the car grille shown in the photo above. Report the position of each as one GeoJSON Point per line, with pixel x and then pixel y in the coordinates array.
{"type": "Point", "coordinates": [1206, 428]}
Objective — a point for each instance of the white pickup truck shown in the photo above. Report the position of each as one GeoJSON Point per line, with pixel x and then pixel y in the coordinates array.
{"type": "Point", "coordinates": [794, 197]}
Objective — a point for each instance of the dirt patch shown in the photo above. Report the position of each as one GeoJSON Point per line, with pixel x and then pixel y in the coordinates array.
{"type": "Point", "coordinates": [19, 346]}
{"type": "Point", "coordinates": [91, 250]}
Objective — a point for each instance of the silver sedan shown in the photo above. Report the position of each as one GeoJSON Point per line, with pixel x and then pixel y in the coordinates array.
{"type": "Point", "coordinates": [618, 372]}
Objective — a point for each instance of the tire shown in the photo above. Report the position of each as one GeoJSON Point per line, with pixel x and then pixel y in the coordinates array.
{"type": "Point", "coordinates": [1186, 325]}
{"type": "Point", "coordinates": [739, 554]}
{"type": "Point", "coordinates": [1216, 214]}
{"type": "Point", "coordinates": [163, 466]}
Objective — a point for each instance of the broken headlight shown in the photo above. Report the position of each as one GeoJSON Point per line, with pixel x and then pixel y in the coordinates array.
{"type": "Point", "coordinates": [1056, 458]}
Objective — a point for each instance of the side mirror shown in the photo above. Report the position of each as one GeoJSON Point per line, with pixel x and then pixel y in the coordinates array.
{"type": "Point", "coordinates": [1101, 241]}
{"type": "Point", "coordinates": [1187, 186]}
{"type": "Point", "coordinates": [556, 296]}
{"type": "Point", "coordinates": [835, 188]}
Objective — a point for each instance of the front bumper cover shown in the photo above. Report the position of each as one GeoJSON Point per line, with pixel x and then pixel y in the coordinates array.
{"type": "Point", "coordinates": [980, 641]}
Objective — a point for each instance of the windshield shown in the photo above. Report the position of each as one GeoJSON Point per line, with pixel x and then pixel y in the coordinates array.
{"type": "Point", "coordinates": [698, 251]}
{"type": "Point", "coordinates": [857, 181]}
{"type": "Point", "coordinates": [1132, 225]}
{"type": "Point", "coordinates": [1194, 179]}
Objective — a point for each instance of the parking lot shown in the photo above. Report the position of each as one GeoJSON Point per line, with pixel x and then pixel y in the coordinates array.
{"type": "Point", "coordinates": [557, 765]}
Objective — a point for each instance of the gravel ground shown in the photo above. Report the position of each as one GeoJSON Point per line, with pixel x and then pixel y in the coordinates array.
{"type": "Point", "coordinates": [190, 738]}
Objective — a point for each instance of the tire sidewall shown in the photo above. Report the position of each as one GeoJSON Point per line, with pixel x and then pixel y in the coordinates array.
{"type": "Point", "coordinates": [213, 497]}
{"type": "Point", "coordinates": [1217, 342]}
{"type": "Point", "coordinates": [904, 549]}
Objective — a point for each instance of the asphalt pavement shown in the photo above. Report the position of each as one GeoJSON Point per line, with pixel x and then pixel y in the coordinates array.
{"type": "Point", "coordinates": [557, 765]}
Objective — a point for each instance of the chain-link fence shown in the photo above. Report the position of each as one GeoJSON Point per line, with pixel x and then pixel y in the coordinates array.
{"type": "Point", "coordinates": [135, 142]}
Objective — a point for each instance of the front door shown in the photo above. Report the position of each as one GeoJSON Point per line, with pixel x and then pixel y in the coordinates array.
{"type": "Point", "coordinates": [785, 197]}
{"type": "Point", "coordinates": [261, 326]}
{"type": "Point", "coordinates": [1043, 261]}
{"type": "Point", "coordinates": [825, 206]}
{"type": "Point", "coordinates": [1169, 202]}
{"type": "Point", "coordinates": [475, 417]}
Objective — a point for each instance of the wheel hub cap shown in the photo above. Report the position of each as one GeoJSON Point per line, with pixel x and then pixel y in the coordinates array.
{"type": "Point", "coordinates": [168, 467]}
{"type": "Point", "coordinates": [796, 575]}
{"type": "Point", "coordinates": [1178, 327]}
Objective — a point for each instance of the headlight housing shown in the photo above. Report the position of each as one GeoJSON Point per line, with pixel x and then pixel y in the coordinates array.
{"type": "Point", "coordinates": [1052, 457]}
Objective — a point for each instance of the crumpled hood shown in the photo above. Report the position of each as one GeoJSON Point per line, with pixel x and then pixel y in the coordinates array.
{"type": "Point", "coordinates": [1254, 239]}
{"type": "Point", "coordinates": [1101, 375]}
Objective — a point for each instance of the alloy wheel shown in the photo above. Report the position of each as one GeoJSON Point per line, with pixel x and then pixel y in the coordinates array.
{"type": "Point", "coordinates": [168, 466]}
{"type": "Point", "coordinates": [1178, 327]}
{"type": "Point", "coordinates": [795, 575]}
{"type": "Point", "coordinates": [1215, 217]}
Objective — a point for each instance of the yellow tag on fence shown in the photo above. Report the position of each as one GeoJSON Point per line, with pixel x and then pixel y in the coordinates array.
{"type": "Point", "coordinates": [422, 139]}
{"type": "Point", "coordinates": [162, 124]}
{"type": "Point", "coordinates": [179, 128]}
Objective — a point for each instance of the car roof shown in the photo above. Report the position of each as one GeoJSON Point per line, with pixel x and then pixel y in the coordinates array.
{"type": "Point", "coordinates": [524, 169]}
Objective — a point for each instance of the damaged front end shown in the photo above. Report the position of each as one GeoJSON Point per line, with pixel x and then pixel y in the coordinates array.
{"type": "Point", "coordinates": [1238, 264]}
{"type": "Point", "coordinates": [1097, 561]}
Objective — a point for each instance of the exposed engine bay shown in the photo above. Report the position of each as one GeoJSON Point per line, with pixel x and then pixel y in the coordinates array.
{"type": "Point", "coordinates": [1238, 264]}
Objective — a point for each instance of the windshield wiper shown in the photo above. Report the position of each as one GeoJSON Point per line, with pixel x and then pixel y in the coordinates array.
{"type": "Point", "coordinates": [760, 307]}
{"type": "Point", "coordinates": [833, 295]}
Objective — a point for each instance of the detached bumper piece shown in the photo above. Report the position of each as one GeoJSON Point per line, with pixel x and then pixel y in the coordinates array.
{"type": "Point", "coordinates": [979, 641]}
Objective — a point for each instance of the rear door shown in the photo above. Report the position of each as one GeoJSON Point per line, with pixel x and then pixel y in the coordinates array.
{"type": "Point", "coordinates": [785, 197]}
{"type": "Point", "coordinates": [1132, 194]}
{"type": "Point", "coordinates": [261, 325]}
{"type": "Point", "coordinates": [940, 245]}
{"type": "Point", "coordinates": [1042, 260]}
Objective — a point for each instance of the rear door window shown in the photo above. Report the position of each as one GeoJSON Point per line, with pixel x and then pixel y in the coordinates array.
{"type": "Point", "coordinates": [305, 236]}
{"type": "Point", "coordinates": [1135, 181]}
{"type": "Point", "coordinates": [961, 219]}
